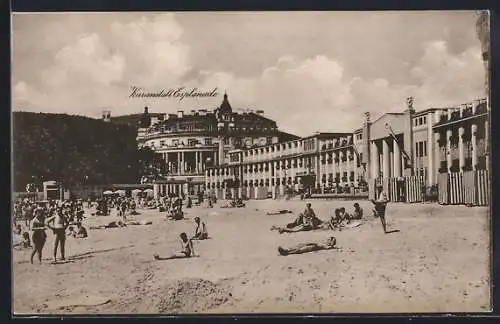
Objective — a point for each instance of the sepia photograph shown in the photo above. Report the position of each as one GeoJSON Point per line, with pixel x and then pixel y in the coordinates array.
{"type": "Point", "coordinates": [301, 162]}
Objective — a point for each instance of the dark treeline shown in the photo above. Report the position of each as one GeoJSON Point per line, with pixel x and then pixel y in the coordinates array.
{"type": "Point", "coordinates": [74, 149]}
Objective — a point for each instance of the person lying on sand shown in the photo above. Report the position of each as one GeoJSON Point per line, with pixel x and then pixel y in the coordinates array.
{"type": "Point", "coordinates": [280, 212]}
{"type": "Point", "coordinates": [308, 221]}
{"type": "Point", "coordinates": [380, 206]}
{"type": "Point", "coordinates": [113, 224]}
{"type": "Point", "coordinates": [309, 247]}
{"type": "Point", "coordinates": [143, 222]}
{"type": "Point", "coordinates": [187, 250]}
{"type": "Point", "coordinates": [200, 232]}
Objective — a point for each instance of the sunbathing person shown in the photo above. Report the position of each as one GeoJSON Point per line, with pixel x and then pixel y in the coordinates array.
{"type": "Point", "coordinates": [239, 203]}
{"type": "Point", "coordinates": [309, 247]}
{"type": "Point", "coordinates": [176, 213]}
{"type": "Point", "coordinates": [200, 231]}
{"type": "Point", "coordinates": [307, 221]}
{"type": "Point", "coordinates": [187, 250]}
{"type": "Point", "coordinates": [280, 212]}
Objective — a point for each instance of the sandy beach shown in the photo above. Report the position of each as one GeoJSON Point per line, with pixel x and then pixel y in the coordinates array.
{"type": "Point", "coordinates": [438, 262]}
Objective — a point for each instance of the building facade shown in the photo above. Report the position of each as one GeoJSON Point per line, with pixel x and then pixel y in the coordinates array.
{"type": "Point", "coordinates": [326, 162]}
{"type": "Point", "coordinates": [419, 144]}
{"type": "Point", "coordinates": [190, 143]}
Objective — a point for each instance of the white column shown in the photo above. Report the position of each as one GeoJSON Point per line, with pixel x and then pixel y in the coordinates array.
{"type": "Point", "coordinates": [486, 145]}
{"type": "Point", "coordinates": [334, 164]}
{"type": "Point", "coordinates": [275, 170]}
{"type": "Point", "coordinates": [375, 160]}
{"type": "Point", "coordinates": [437, 158]}
{"type": "Point", "coordinates": [178, 162]}
{"type": "Point", "coordinates": [385, 159]}
{"type": "Point", "coordinates": [341, 165]}
{"type": "Point", "coordinates": [355, 168]}
{"type": "Point", "coordinates": [474, 146]}
{"type": "Point", "coordinates": [449, 133]}
{"type": "Point", "coordinates": [318, 172]}
{"type": "Point", "coordinates": [461, 157]}
{"type": "Point", "coordinates": [397, 159]}
{"type": "Point", "coordinates": [430, 152]}
{"type": "Point", "coordinates": [270, 173]}
{"type": "Point", "coordinates": [197, 166]}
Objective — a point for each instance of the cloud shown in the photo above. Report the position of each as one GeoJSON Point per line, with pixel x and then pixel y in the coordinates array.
{"type": "Point", "coordinates": [95, 71]}
{"type": "Point", "coordinates": [303, 94]}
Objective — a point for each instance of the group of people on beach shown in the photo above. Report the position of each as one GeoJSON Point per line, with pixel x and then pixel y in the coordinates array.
{"type": "Point", "coordinates": [56, 216]}
{"type": "Point", "coordinates": [307, 220]}
{"type": "Point", "coordinates": [64, 218]}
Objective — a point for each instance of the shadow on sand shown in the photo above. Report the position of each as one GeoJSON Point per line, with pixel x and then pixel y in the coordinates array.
{"type": "Point", "coordinates": [81, 256]}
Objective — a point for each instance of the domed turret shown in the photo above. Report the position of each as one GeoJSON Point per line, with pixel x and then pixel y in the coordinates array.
{"type": "Point", "coordinates": [225, 107]}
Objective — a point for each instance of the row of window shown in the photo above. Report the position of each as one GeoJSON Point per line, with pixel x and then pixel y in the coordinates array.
{"type": "Point", "coordinates": [420, 121]}
{"type": "Point", "coordinates": [190, 142]}
{"type": "Point", "coordinates": [274, 148]}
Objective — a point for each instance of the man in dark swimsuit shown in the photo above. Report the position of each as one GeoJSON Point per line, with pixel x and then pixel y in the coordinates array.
{"type": "Point", "coordinates": [59, 225]}
{"type": "Point", "coordinates": [379, 209]}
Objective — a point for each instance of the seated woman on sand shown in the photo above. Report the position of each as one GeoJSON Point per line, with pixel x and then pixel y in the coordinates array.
{"type": "Point", "coordinates": [187, 250]}
{"type": "Point", "coordinates": [81, 232]}
{"type": "Point", "coordinates": [357, 213]}
{"type": "Point", "coordinates": [309, 247]}
{"type": "Point", "coordinates": [200, 232]}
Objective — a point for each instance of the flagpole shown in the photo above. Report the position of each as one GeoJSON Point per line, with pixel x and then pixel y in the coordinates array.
{"type": "Point", "coordinates": [409, 102]}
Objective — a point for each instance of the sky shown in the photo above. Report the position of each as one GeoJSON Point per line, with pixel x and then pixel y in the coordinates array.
{"type": "Point", "coordinates": [309, 71]}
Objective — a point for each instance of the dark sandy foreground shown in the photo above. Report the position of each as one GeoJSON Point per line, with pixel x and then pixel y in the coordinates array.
{"type": "Point", "coordinates": [438, 262]}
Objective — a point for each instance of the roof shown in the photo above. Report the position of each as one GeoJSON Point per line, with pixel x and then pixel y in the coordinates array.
{"type": "Point", "coordinates": [328, 135]}
{"type": "Point", "coordinates": [389, 113]}
{"type": "Point", "coordinates": [225, 107]}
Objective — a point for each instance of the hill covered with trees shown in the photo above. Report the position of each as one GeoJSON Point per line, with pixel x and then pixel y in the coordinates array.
{"type": "Point", "coordinates": [75, 150]}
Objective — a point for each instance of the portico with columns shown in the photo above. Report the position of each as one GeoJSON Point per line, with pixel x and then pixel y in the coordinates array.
{"type": "Point", "coordinates": [461, 138]}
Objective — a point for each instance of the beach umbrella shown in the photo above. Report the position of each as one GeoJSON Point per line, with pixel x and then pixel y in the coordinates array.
{"type": "Point", "coordinates": [107, 192]}
{"type": "Point", "coordinates": [120, 192]}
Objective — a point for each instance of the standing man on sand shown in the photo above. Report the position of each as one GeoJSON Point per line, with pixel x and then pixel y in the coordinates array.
{"type": "Point", "coordinates": [58, 224]}
{"type": "Point", "coordinates": [379, 209]}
